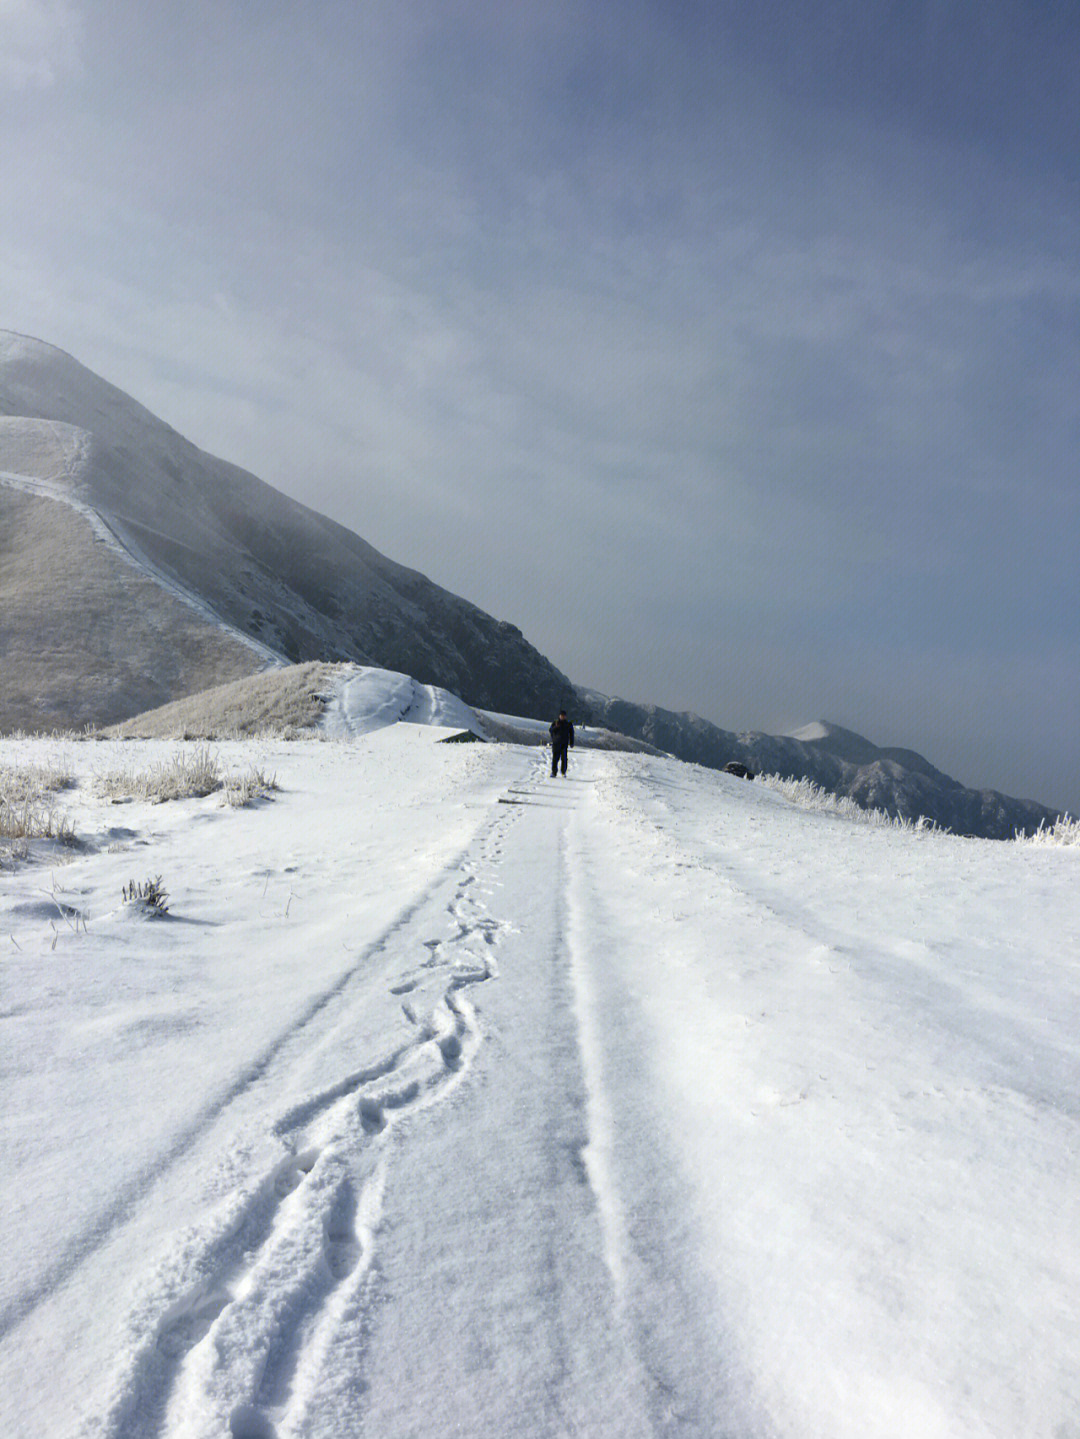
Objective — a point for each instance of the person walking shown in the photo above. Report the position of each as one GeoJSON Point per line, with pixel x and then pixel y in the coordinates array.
{"type": "Point", "coordinates": [562, 739]}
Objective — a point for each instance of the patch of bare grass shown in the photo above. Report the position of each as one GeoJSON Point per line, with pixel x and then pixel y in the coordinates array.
{"type": "Point", "coordinates": [285, 703]}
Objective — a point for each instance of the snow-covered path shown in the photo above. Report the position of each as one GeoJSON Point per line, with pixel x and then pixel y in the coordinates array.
{"type": "Point", "coordinates": [456, 1100]}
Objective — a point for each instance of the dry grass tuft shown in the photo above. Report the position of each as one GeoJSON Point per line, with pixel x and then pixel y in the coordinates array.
{"type": "Point", "coordinates": [28, 811]}
{"type": "Point", "coordinates": [808, 795]}
{"type": "Point", "coordinates": [1064, 831]}
{"type": "Point", "coordinates": [186, 776]}
{"type": "Point", "coordinates": [19, 783]}
{"type": "Point", "coordinates": [242, 789]}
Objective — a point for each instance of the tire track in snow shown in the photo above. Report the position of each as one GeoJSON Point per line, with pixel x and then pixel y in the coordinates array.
{"type": "Point", "coordinates": [268, 1292]}
{"type": "Point", "coordinates": [661, 1324]}
{"type": "Point", "coordinates": [98, 1230]}
{"type": "Point", "coordinates": [598, 1152]}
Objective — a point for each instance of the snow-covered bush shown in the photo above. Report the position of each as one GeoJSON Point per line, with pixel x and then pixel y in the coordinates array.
{"type": "Point", "coordinates": [27, 809]}
{"type": "Point", "coordinates": [808, 795]}
{"type": "Point", "coordinates": [242, 789]}
{"type": "Point", "coordinates": [186, 776]}
{"type": "Point", "coordinates": [1066, 830]}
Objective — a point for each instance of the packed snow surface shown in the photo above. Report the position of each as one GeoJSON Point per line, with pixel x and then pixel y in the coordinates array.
{"type": "Point", "coordinates": [450, 1099]}
{"type": "Point", "coordinates": [369, 699]}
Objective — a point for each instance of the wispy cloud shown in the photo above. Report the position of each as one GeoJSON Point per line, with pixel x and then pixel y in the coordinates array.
{"type": "Point", "coordinates": [40, 42]}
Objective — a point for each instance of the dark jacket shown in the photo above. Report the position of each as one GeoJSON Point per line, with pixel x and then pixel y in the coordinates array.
{"type": "Point", "coordinates": [562, 734]}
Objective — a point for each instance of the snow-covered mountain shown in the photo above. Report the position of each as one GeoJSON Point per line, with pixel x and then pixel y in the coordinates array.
{"type": "Point", "coordinates": [136, 569]}
{"type": "Point", "coordinates": [898, 781]}
{"type": "Point", "coordinates": [260, 578]}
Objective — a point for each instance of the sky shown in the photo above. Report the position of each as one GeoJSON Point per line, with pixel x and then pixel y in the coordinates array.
{"type": "Point", "coordinates": [730, 350]}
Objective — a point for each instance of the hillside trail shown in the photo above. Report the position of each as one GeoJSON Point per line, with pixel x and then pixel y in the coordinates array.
{"type": "Point", "coordinates": [431, 1212]}
{"type": "Point", "coordinates": [458, 1100]}
{"type": "Point", "coordinates": [452, 1230]}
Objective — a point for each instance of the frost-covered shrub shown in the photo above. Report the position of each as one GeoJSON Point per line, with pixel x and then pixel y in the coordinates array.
{"type": "Point", "coordinates": [188, 775]}
{"type": "Point", "coordinates": [149, 895]}
{"type": "Point", "coordinates": [1065, 831]}
{"type": "Point", "coordinates": [808, 795]}
{"type": "Point", "coordinates": [242, 789]}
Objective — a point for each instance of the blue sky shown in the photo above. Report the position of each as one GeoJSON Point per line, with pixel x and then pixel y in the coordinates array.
{"type": "Point", "coordinates": [730, 350]}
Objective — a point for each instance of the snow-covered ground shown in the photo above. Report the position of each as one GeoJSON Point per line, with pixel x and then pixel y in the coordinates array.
{"type": "Point", "coordinates": [367, 699]}
{"type": "Point", "coordinates": [449, 1099]}
{"type": "Point", "coordinates": [75, 441]}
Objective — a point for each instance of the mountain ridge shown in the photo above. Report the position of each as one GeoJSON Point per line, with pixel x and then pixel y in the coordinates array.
{"type": "Point", "coordinates": [877, 781]}
{"type": "Point", "coordinates": [267, 566]}
{"type": "Point", "coordinates": [171, 571]}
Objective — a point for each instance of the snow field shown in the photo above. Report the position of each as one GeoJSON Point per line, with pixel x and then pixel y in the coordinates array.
{"type": "Point", "coordinates": [453, 1099]}
{"type": "Point", "coordinates": [367, 699]}
{"type": "Point", "coordinates": [870, 1039]}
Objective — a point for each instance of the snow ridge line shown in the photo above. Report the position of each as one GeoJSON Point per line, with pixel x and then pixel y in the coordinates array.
{"type": "Point", "coordinates": [291, 1262]}
{"type": "Point", "coordinates": [98, 1230]}
{"type": "Point", "coordinates": [130, 552]}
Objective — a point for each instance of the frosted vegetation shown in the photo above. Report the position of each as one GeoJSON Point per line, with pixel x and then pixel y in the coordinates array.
{"type": "Point", "coordinates": [28, 807]}
{"type": "Point", "coordinates": [279, 703]}
{"type": "Point", "coordinates": [808, 795]}
{"type": "Point", "coordinates": [187, 774]}
{"type": "Point", "coordinates": [1064, 831]}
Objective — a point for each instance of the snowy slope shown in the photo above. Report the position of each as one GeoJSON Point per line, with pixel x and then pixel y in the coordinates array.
{"type": "Point", "coordinates": [291, 581]}
{"type": "Point", "coordinates": [88, 631]}
{"type": "Point", "coordinates": [368, 699]}
{"type": "Point", "coordinates": [452, 1099]}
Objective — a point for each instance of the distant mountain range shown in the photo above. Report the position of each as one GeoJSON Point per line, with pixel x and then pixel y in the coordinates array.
{"type": "Point", "coordinates": [898, 781]}
{"type": "Point", "coordinates": [136, 568]}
